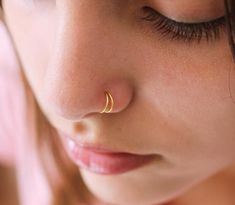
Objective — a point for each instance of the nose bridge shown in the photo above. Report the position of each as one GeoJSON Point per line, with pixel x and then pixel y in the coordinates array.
{"type": "Point", "coordinates": [79, 71]}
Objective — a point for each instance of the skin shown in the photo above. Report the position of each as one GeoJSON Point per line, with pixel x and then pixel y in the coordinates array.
{"type": "Point", "coordinates": [172, 98]}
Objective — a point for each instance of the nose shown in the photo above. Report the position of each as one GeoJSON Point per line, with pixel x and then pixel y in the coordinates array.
{"type": "Point", "coordinates": [84, 61]}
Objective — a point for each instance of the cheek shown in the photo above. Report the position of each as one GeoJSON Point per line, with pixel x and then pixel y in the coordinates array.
{"type": "Point", "coordinates": [192, 109]}
{"type": "Point", "coordinates": [33, 38]}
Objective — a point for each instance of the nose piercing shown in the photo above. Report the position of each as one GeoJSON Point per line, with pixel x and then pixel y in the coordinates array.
{"type": "Point", "coordinates": [109, 98]}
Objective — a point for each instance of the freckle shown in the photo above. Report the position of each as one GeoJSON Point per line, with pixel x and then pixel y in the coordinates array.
{"type": "Point", "coordinates": [80, 128]}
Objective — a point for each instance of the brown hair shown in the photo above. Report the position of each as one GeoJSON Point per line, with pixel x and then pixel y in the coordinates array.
{"type": "Point", "coordinates": [68, 190]}
{"type": "Point", "coordinates": [230, 19]}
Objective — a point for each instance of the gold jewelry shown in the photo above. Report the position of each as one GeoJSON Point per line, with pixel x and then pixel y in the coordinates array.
{"type": "Point", "coordinates": [109, 98]}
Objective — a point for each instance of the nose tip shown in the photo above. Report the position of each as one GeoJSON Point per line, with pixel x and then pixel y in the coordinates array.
{"type": "Point", "coordinates": [76, 104]}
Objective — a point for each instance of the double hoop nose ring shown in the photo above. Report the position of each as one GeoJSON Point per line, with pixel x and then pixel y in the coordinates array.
{"type": "Point", "coordinates": [109, 103]}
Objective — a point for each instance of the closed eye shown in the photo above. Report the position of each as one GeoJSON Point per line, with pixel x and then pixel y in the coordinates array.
{"type": "Point", "coordinates": [184, 31]}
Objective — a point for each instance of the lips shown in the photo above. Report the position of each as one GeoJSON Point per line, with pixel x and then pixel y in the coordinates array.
{"type": "Point", "coordinates": [104, 161]}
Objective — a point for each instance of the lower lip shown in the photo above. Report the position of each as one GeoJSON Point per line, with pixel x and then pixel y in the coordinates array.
{"type": "Point", "coordinates": [105, 162]}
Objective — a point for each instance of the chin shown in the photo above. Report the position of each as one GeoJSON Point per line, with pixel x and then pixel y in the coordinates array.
{"type": "Point", "coordinates": [126, 189]}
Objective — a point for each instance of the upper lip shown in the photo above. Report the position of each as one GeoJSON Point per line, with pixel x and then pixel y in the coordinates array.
{"type": "Point", "coordinates": [96, 147]}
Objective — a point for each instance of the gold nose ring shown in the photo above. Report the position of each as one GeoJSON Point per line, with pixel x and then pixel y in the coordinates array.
{"type": "Point", "coordinates": [109, 99]}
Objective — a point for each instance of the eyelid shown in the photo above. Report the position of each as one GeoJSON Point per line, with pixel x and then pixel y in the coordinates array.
{"type": "Point", "coordinates": [188, 32]}
{"type": "Point", "coordinates": [149, 9]}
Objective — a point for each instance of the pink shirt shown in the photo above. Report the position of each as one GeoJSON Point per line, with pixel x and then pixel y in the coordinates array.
{"type": "Point", "coordinates": [16, 130]}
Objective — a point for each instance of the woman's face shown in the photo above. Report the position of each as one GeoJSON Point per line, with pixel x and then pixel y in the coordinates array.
{"type": "Point", "coordinates": [172, 96]}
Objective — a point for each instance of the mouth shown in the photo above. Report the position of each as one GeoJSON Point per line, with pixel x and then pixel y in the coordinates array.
{"type": "Point", "coordinates": [104, 161]}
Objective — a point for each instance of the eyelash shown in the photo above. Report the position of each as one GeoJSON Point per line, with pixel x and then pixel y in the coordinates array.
{"type": "Point", "coordinates": [186, 32]}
